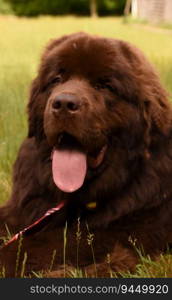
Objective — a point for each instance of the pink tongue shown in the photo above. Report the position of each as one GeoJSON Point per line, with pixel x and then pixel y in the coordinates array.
{"type": "Point", "coordinates": [69, 169]}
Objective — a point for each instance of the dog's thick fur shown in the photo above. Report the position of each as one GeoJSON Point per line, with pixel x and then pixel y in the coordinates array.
{"type": "Point", "coordinates": [124, 108]}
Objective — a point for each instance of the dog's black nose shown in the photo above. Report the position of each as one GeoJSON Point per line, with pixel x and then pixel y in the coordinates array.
{"type": "Point", "coordinates": [66, 102]}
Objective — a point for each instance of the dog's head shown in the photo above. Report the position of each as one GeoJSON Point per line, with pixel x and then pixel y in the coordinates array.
{"type": "Point", "coordinates": [99, 105]}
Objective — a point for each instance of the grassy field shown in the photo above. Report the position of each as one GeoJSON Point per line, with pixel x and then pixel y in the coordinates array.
{"type": "Point", "coordinates": [21, 43]}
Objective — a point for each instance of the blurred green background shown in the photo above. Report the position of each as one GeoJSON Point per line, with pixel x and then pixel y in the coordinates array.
{"type": "Point", "coordinates": [61, 7]}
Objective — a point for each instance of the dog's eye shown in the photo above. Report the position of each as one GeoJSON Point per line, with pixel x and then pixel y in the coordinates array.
{"type": "Point", "coordinates": [102, 84]}
{"type": "Point", "coordinates": [53, 81]}
{"type": "Point", "coordinates": [98, 86]}
{"type": "Point", "coordinates": [56, 79]}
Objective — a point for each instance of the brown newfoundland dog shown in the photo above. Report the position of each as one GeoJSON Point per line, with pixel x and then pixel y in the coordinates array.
{"type": "Point", "coordinates": [99, 148]}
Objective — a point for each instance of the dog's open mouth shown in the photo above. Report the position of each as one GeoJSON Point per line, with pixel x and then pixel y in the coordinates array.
{"type": "Point", "coordinates": [70, 163]}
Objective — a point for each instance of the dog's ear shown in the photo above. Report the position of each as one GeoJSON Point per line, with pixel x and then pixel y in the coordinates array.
{"type": "Point", "coordinates": [31, 108]}
{"type": "Point", "coordinates": [147, 88]}
{"type": "Point", "coordinates": [161, 116]}
{"type": "Point", "coordinates": [158, 111]}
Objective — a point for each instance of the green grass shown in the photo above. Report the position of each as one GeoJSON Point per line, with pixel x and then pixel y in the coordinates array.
{"type": "Point", "coordinates": [21, 43]}
{"type": "Point", "coordinates": [160, 267]}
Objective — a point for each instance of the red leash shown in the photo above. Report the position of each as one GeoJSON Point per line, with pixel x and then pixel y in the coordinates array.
{"type": "Point", "coordinates": [37, 225]}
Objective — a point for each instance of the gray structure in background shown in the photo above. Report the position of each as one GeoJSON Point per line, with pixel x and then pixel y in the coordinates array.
{"type": "Point", "coordinates": [152, 10]}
